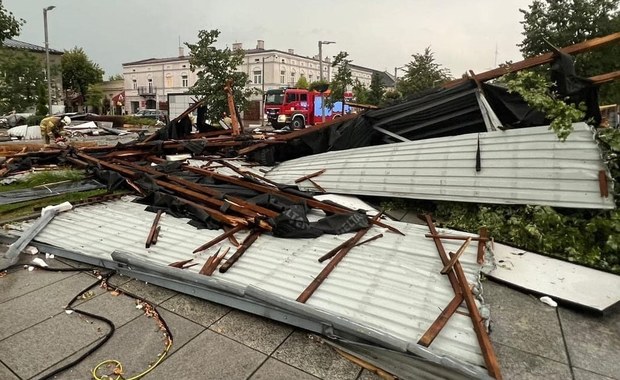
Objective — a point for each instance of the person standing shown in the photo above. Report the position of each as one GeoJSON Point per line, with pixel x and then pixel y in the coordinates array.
{"type": "Point", "coordinates": [52, 126]}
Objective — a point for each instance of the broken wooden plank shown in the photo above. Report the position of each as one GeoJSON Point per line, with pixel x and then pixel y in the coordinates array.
{"type": "Point", "coordinates": [483, 233]}
{"type": "Point", "coordinates": [456, 256]}
{"type": "Point", "coordinates": [216, 261]}
{"type": "Point", "coordinates": [443, 318]}
{"type": "Point", "coordinates": [151, 235]}
{"type": "Point", "coordinates": [456, 237]}
{"type": "Point", "coordinates": [180, 264]}
{"type": "Point", "coordinates": [315, 174]}
{"type": "Point", "coordinates": [240, 251]}
{"type": "Point", "coordinates": [602, 183]}
{"type": "Point", "coordinates": [218, 239]}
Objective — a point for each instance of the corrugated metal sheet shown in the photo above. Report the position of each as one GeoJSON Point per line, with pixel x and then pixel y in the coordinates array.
{"type": "Point", "coordinates": [390, 289]}
{"type": "Point", "coordinates": [521, 166]}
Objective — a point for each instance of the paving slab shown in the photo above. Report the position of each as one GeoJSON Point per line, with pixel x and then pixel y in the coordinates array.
{"type": "Point", "coordinates": [593, 342]}
{"type": "Point", "coordinates": [31, 308]}
{"type": "Point", "coordinates": [6, 374]}
{"type": "Point", "coordinates": [274, 369]}
{"type": "Point", "coordinates": [152, 293]}
{"type": "Point", "coordinates": [314, 357]}
{"type": "Point", "coordinates": [523, 322]}
{"type": "Point", "coordinates": [119, 309]}
{"type": "Point", "coordinates": [256, 332]}
{"type": "Point", "coordinates": [136, 345]}
{"type": "Point", "coordinates": [195, 309]}
{"type": "Point", "coordinates": [582, 374]}
{"type": "Point", "coordinates": [521, 365]}
{"type": "Point", "coordinates": [45, 344]}
{"type": "Point", "coordinates": [18, 282]}
{"type": "Point", "coordinates": [210, 356]}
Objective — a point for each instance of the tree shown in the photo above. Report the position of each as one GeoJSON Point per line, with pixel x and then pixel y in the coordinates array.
{"type": "Point", "coordinates": [79, 72]}
{"type": "Point", "coordinates": [20, 80]}
{"type": "Point", "coordinates": [9, 25]}
{"type": "Point", "coordinates": [422, 73]}
{"type": "Point", "coordinates": [116, 77]}
{"type": "Point", "coordinates": [377, 89]}
{"type": "Point", "coordinates": [302, 82]}
{"type": "Point", "coordinates": [319, 85]}
{"type": "Point", "coordinates": [360, 92]}
{"type": "Point", "coordinates": [42, 107]}
{"type": "Point", "coordinates": [94, 97]}
{"type": "Point", "coordinates": [343, 77]}
{"type": "Point", "coordinates": [214, 67]}
{"type": "Point", "coordinates": [568, 22]}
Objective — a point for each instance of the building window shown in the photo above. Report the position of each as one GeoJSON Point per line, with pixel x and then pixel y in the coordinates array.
{"type": "Point", "coordinates": [150, 85]}
{"type": "Point", "coordinates": [258, 77]}
{"type": "Point", "coordinates": [292, 77]}
{"type": "Point", "coordinates": [169, 82]}
{"type": "Point", "coordinates": [134, 84]}
{"type": "Point", "coordinates": [282, 76]}
{"type": "Point", "coordinates": [310, 77]}
{"type": "Point", "coordinates": [184, 81]}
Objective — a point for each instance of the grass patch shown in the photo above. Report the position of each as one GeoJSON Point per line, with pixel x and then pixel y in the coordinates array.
{"type": "Point", "coordinates": [44, 178]}
{"type": "Point", "coordinates": [17, 210]}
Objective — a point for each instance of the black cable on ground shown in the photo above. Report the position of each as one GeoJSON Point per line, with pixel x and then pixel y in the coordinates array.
{"type": "Point", "coordinates": [103, 280]}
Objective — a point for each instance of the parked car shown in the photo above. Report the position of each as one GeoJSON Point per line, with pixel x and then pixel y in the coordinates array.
{"type": "Point", "coordinates": [153, 114]}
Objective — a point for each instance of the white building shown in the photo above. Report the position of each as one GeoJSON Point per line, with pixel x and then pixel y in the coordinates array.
{"type": "Point", "coordinates": [148, 82]}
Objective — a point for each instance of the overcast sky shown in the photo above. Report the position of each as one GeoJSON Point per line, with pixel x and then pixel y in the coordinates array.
{"type": "Point", "coordinates": [377, 34]}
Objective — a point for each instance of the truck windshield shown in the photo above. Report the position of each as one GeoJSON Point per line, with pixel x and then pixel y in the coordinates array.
{"type": "Point", "coordinates": [275, 98]}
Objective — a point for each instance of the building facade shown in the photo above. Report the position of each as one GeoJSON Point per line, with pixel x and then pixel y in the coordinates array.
{"type": "Point", "coordinates": [148, 82]}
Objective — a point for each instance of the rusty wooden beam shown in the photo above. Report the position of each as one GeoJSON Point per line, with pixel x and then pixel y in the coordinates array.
{"type": "Point", "coordinates": [321, 189]}
{"type": "Point", "coordinates": [443, 318]}
{"type": "Point", "coordinates": [488, 353]}
{"type": "Point", "coordinates": [231, 238]}
{"type": "Point", "coordinates": [369, 240]}
{"type": "Point", "coordinates": [151, 236]}
{"type": "Point", "coordinates": [460, 286]}
{"type": "Point", "coordinates": [484, 234]}
{"type": "Point", "coordinates": [315, 174]}
{"type": "Point", "coordinates": [240, 251]}
{"type": "Point", "coordinates": [602, 183]}
{"type": "Point", "coordinates": [605, 78]}
{"type": "Point", "coordinates": [218, 239]}
{"type": "Point", "coordinates": [270, 190]}
{"type": "Point", "coordinates": [318, 280]}
{"type": "Point", "coordinates": [455, 257]}
{"type": "Point", "coordinates": [456, 237]}
{"type": "Point", "coordinates": [542, 59]}
{"type": "Point", "coordinates": [215, 262]}
{"type": "Point", "coordinates": [180, 264]}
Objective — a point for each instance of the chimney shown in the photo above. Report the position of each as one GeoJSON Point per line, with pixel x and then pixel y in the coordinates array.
{"type": "Point", "coordinates": [181, 52]}
{"type": "Point", "coordinates": [237, 46]}
{"type": "Point", "coordinates": [260, 44]}
{"type": "Point", "coordinates": [291, 51]}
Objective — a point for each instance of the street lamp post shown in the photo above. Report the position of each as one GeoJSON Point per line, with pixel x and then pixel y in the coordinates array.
{"type": "Point", "coordinates": [263, 98]}
{"type": "Point", "coordinates": [47, 59]}
{"type": "Point", "coordinates": [321, 43]}
{"type": "Point", "coordinates": [396, 73]}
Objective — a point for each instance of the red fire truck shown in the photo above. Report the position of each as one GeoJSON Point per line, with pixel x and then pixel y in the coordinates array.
{"type": "Point", "coordinates": [298, 108]}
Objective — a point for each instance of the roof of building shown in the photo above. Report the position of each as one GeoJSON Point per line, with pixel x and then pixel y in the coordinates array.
{"type": "Point", "coordinates": [156, 60]}
{"type": "Point", "coordinates": [15, 44]}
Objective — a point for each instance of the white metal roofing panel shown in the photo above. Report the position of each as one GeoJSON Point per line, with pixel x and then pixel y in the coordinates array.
{"type": "Point", "coordinates": [391, 285]}
{"type": "Point", "coordinates": [520, 166]}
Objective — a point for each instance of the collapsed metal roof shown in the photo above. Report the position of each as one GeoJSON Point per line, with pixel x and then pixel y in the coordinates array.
{"type": "Point", "coordinates": [388, 291]}
{"type": "Point", "coordinates": [521, 166]}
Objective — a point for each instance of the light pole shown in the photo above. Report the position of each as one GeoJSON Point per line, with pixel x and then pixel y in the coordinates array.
{"type": "Point", "coordinates": [396, 73]}
{"type": "Point", "coordinates": [321, 43]}
{"type": "Point", "coordinates": [47, 59]}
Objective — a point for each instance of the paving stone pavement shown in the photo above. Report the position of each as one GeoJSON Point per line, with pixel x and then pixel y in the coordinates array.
{"type": "Point", "coordinates": [211, 341]}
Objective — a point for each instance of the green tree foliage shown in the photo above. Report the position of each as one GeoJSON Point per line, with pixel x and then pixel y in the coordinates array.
{"type": "Point", "coordinates": [42, 106]}
{"type": "Point", "coordinates": [342, 79]}
{"type": "Point", "coordinates": [21, 77]}
{"type": "Point", "coordinates": [422, 73]}
{"type": "Point", "coordinates": [116, 77]}
{"type": "Point", "coordinates": [360, 92]}
{"type": "Point", "coordinates": [319, 85]}
{"type": "Point", "coordinates": [214, 67]}
{"type": "Point", "coordinates": [567, 22]}
{"type": "Point", "coordinates": [79, 72]}
{"type": "Point", "coordinates": [94, 96]}
{"type": "Point", "coordinates": [9, 25]}
{"type": "Point", "coordinates": [534, 89]}
{"type": "Point", "coordinates": [377, 89]}
{"type": "Point", "coordinates": [302, 82]}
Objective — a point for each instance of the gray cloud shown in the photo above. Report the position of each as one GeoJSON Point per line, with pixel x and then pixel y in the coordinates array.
{"type": "Point", "coordinates": [381, 35]}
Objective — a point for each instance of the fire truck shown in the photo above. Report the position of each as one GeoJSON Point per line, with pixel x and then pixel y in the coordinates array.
{"type": "Point", "coordinates": [298, 108]}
